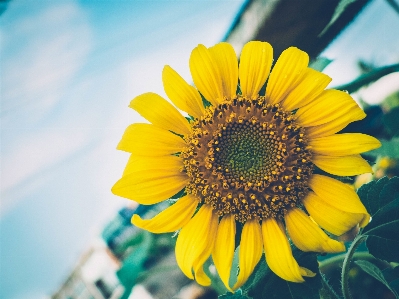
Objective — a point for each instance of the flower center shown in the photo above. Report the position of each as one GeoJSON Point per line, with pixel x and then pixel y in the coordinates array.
{"type": "Point", "coordinates": [246, 153]}
{"type": "Point", "coordinates": [248, 158]}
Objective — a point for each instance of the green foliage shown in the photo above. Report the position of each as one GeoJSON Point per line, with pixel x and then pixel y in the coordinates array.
{"type": "Point", "coordinates": [391, 275]}
{"type": "Point", "coordinates": [265, 284]}
{"type": "Point", "coordinates": [342, 5]}
{"type": "Point", "coordinates": [374, 271]}
{"type": "Point", "coordinates": [391, 122]}
{"type": "Point", "coordinates": [133, 265]}
{"type": "Point", "coordinates": [236, 295]}
{"type": "Point", "coordinates": [320, 63]}
{"type": "Point", "coordinates": [394, 5]}
{"type": "Point", "coordinates": [368, 78]}
{"type": "Point", "coordinates": [236, 260]}
{"type": "Point", "coordinates": [370, 195]}
{"type": "Point", "coordinates": [327, 292]}
{"type": "Point", "coordinates": [381, 199]}
{"type": "Point", "coordinates": [389, 148]}
{"type": "Point", "coordinates": [391, 101]}
{"type": "Point", "coordinates": [179, 194]}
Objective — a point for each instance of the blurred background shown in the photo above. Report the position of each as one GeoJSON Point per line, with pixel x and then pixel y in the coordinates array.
{"type": "Point", "coordinates": [68, 72]}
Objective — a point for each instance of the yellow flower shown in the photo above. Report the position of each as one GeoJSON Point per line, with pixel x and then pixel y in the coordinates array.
{"type": "Point", "coordinates": [246, 160]}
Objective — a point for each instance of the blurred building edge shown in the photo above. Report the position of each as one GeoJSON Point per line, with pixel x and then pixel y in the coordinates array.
{"type": "Point", "coordinates": [115, 265]}
{"type": "Point", "coordinates": [285, 23]}
{"type": "Point", "coordinates": [95, 274]}
{"type": "Point", "coordinates": [94, 277]}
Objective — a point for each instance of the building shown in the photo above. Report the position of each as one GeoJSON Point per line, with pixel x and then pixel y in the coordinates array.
{"type": "Point", "coordinates": [93, 277]}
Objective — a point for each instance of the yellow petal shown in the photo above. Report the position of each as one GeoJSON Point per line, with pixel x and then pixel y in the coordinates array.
{"type": "Point", "coordinates": [226, 59]}
{"type": "Point", "coordinates": [332, 219]}
{"type": "Point", "coordinates": [307, 235]}
{"type": "Point", "coordinates": [332, 105]}
{"type": "Point", "coordinates": [343, 144]}
{"type": "Point", "coordinates": [310, 86]}
{"type": "Point", "coordinates": [150, 186]}
{"type": "Point", "coordinates": [223, 250]}
{"type": "Point", "coordinates": [160, 113]}
{"type": "Point", "coordinates": [170, 219]}
{"type": "Point", "coordinates": [286, 74]}
{"type": "Point", "coordinates": [279, 254]}
{"type": "Point", "coordinates": [206, 75]}
{"type": "Point", "coordinates": [250, 250]}
{"type": "Point", "coordinates": [200, 276]}
{"type": "Point", "coordinates": [338, 195]}
{"type": "Point", "coordinates": [334, 126]}
{"type": "Point", "coordinates": [195, 242]}
{"type": "Point", "coordinates": [140, 163]}
{"type": "Point", "coordinates": [183, 95]}
{"type": "Point", "coordinates": [255, 63]}
{"type": "Point", "coordinates": [342, 166]}
{"type": "Point", "coordinates": [149, 140]}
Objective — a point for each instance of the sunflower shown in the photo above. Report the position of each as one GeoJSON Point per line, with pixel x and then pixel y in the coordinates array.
{"type": "Point", "coordinates": [246, 162]}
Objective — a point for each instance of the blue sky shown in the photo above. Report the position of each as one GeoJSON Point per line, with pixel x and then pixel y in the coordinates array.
{"type": "Point", "coordinates": [372, 38]}
{"type": "Point", "coordinates": [68, 72]}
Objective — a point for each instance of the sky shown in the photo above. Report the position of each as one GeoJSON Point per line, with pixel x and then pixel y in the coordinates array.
{"type": "Point", "coordinates": [372, 37]}
{"type": "Point", "coordinates": [68, 72]}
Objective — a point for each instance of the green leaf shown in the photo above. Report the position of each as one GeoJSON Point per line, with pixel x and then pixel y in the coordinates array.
{"type": "Point", "coordinates": [368, 78]}
{"type": "Point", "coordinates": [394, 5]}
{"type": "Point", "coordinates": [265, 284]}
{"type": "Point", "coordinates": [320, 63]}
{"type": "Point", "coordinates": [381, 199]}
{"type": "Point", "coordinates": [236, 295]}
{"type": "Point", "coordinates": [338, 11]}
{"type": "Point", "coordinates": [391, 121]}
{"type": "Point", "coordinates": [370, 195]}
{"type": "Point", "coordinates": [327, 291]}
{"type": "Point", "coordinates": [236, 260]}
{"type": "Point", "coordinates": [383, 248]}
{"type": "Point", "coordinates": [392, 277]}
{"type": "Point", "coordinates": [374, 271]}
{"type": "Point", "coordinates": [388, 216]}
{"type": "Point", "coordinates": [133, 265]}
{"type": "Point", "coordinates": [383, 240]}
{"type": "Point", "coordinates": [179, 194]}
{"type": "Point", "coordinates": [389, 148]}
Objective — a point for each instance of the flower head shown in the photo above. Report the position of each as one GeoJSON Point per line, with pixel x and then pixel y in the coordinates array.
{"type": "Point", "coordinates": [246, 160]}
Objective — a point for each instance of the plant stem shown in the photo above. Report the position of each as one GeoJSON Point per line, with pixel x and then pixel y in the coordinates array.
{"type": "Point", "coordinates": [338, 259]}
{"type": "Point", "coordinates": [345, 266]}
{"type": "Point", "coordinates": [327, 292]}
